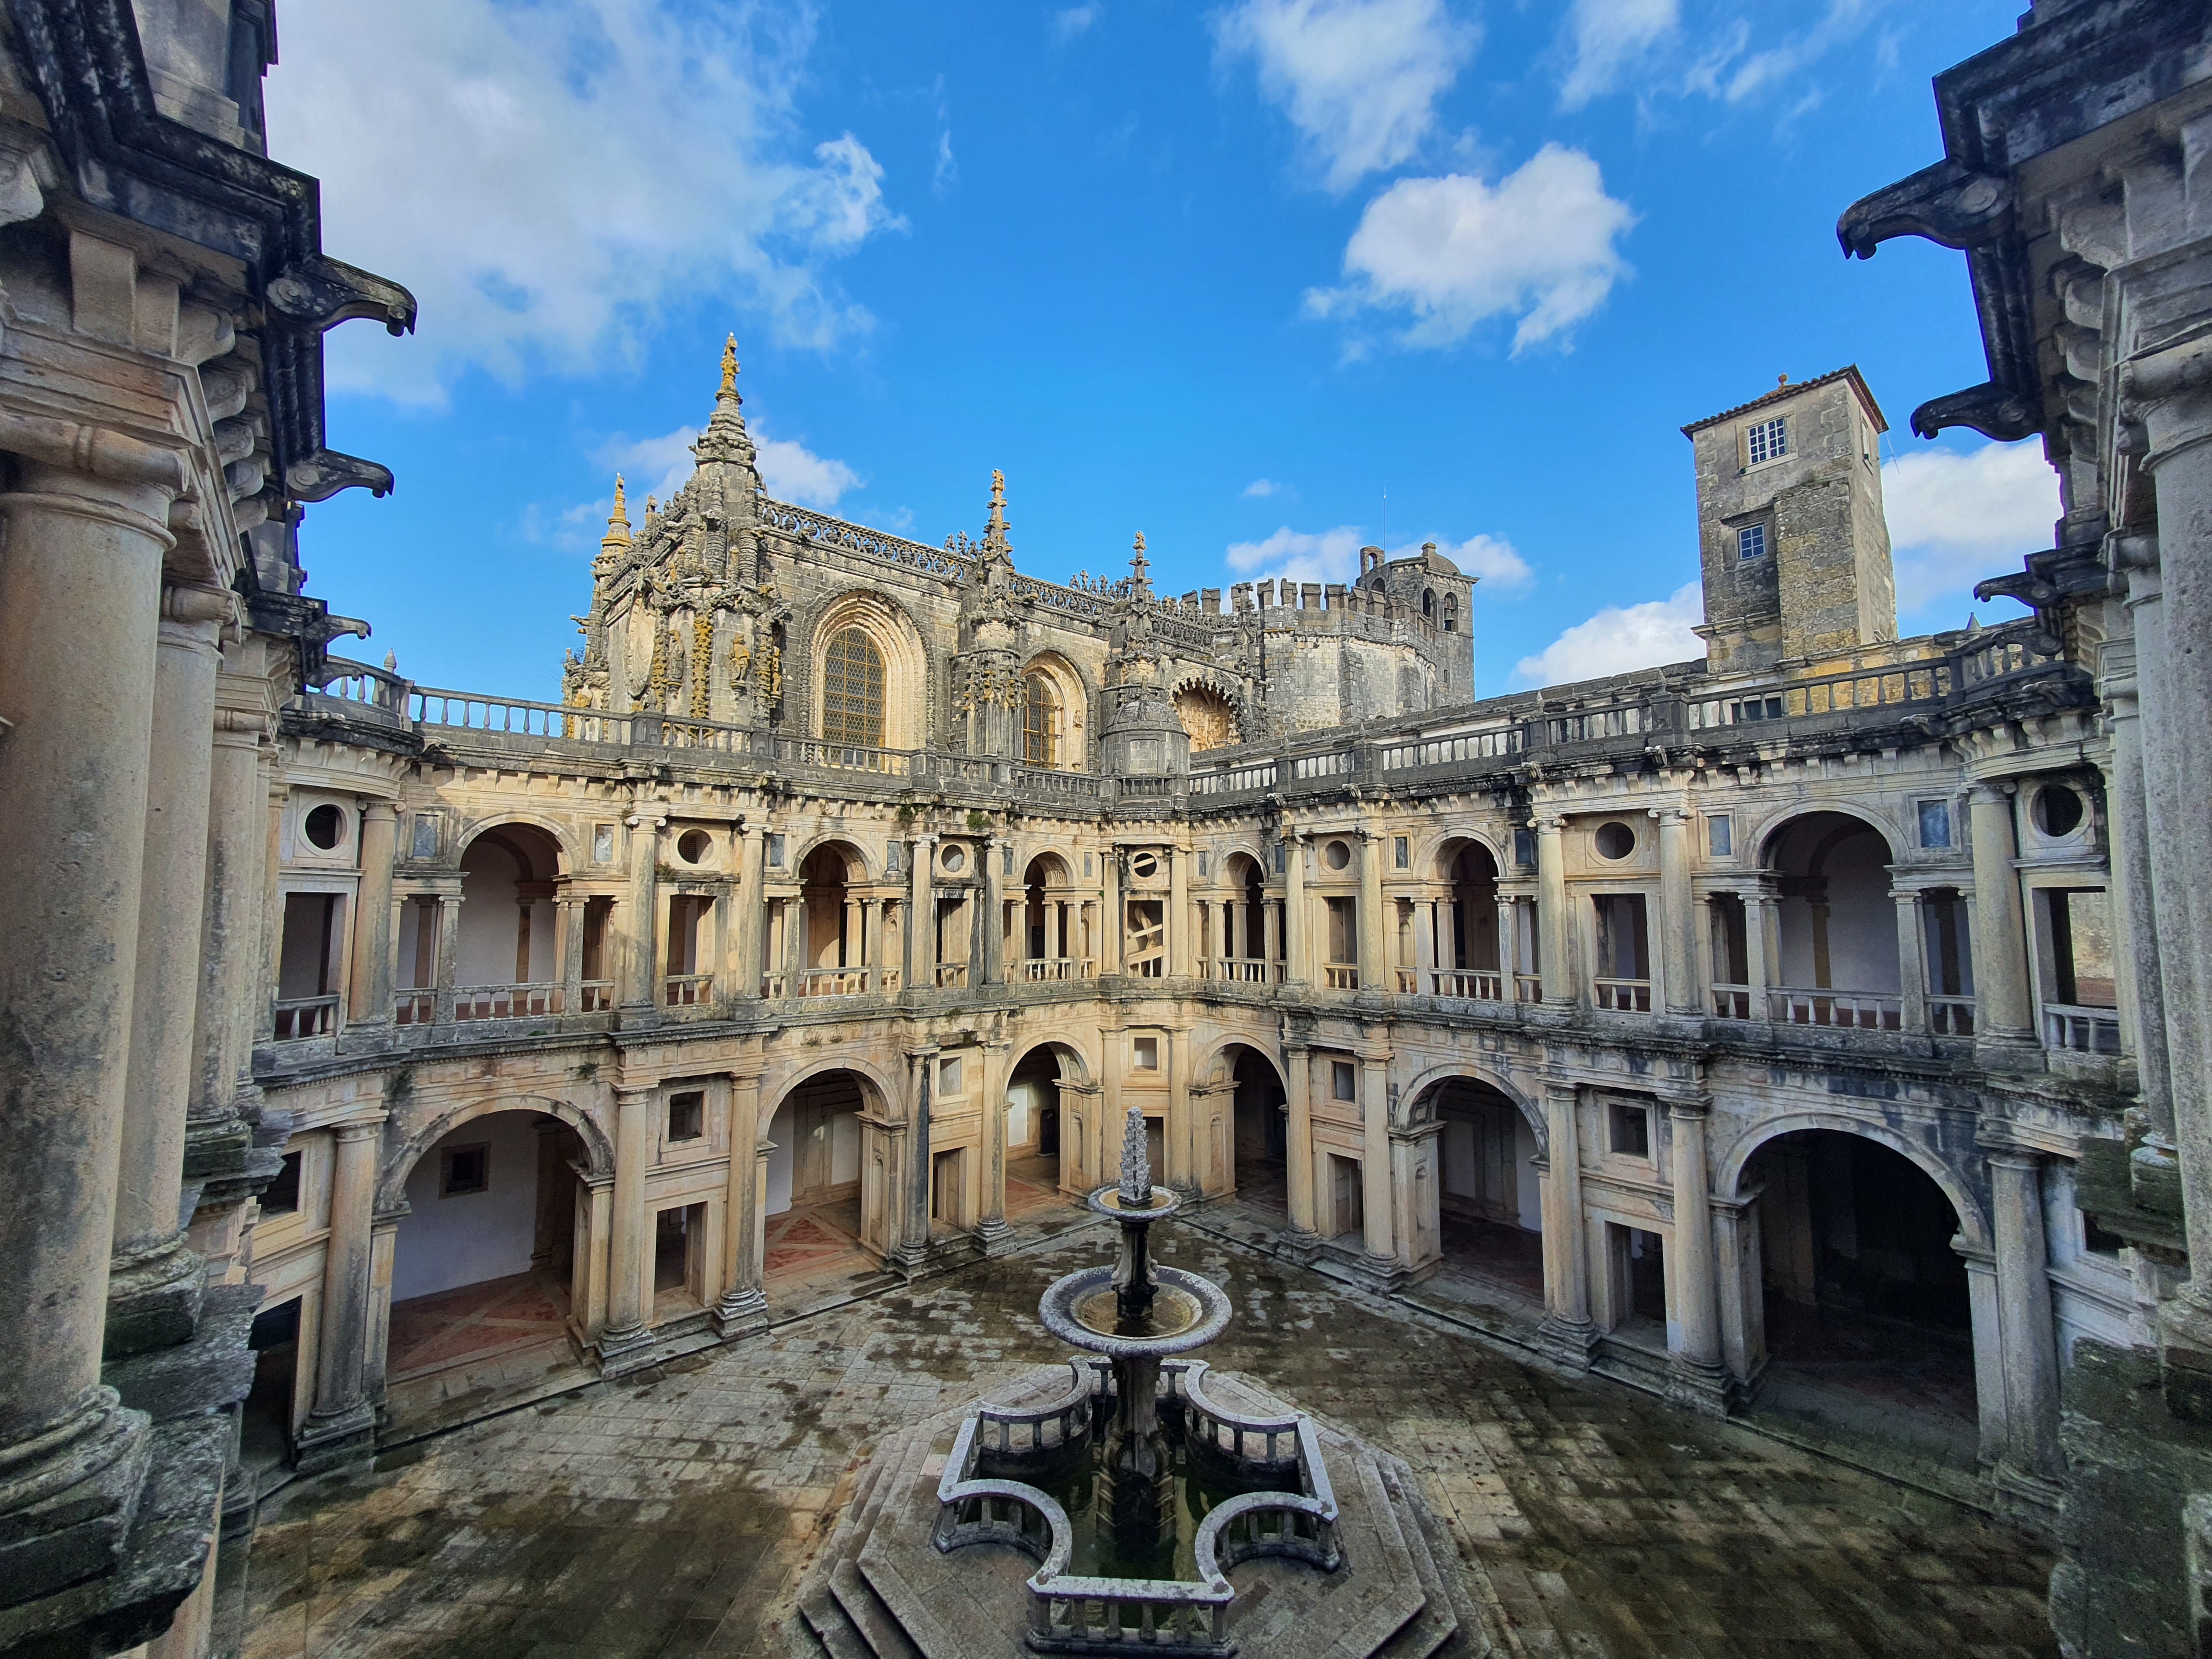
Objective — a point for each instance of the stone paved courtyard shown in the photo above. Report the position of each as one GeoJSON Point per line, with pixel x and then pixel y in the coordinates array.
{"type": "Point", "coordinates": [674, 1516]}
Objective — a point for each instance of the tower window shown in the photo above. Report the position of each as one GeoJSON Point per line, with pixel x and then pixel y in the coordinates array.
{"type": "Point", "coordinates": [1751, 542]}
{"type": "Point", "coordinates": [1768, 440]}
{"type": "Point", "coordinates": [852, 690]}
{"type": "Point", "coordinates": [1039, 723]}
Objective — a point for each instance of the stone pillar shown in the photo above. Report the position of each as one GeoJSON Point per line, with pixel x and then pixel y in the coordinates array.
{"type": "Point", "coordinates": [370, 1003]}
{"type": "Point", "coordinates": [80, 599]}
{"type": "Point", "coordinates": [1375, 1164]}
{"type": "Point", "coordinates": [1301, 1237]}
{"type": "Point", "coordinates": [1678, 928]}
{"type": "Point", "coordinates": [991, 1228]}
{"type": "Point", "coordinates": [1568, 1335]}
{"type": "Point", "coordinates": [2024, 1316]}
{"type": "Point", "coordinates": [2135, 976]}
{"type": "Point", "coordinates": [2004, 1015]}
{"type": "Point", "coordinates": [1425, 955]}
{"type": "Point", "coordinates": [571, 912]}
{"type": "Point", "coordinates": [1699, 1381]}
{"type": "Point", "coordinates": [383, 1248]}
{"type": "Point", "coordinates": [1991, 1415]}
{"type": "Point", "coordinates": [1740, 1281]}
{"type": "Point", "coordinates": [1555, 963]}
{"type": "Point", "coordinates": [1509, 947]}
{"type": "Point", "coordinates": [750, 845]}
{"type": "Point", "coordinates": [742, 1309]}
{"type": "Point", "coordinates": [231, 921]}
{"type": "Point", "coordinates": [913, 1250]}
{"type": "Point", "coordinates": [1911, 975]}
{"type": "Point", "coordinates": [1760, 949]}
{"type": "Point", "coordinates": [154, 1279]}
{"type": "Point", "coordinates": [626, 1344]}
{"type": "Point", "coordinates": [989, 966]}
{"type": "Point", "coordinates": [1110, 936]}
{"type": "Point", "coordinates": [343, 1424]}
{"type": "Point", "coordinates": [922, 915]}
{"type": "Point", "coordinates": [1271, 938]}
{"type": "Point", "coordinates": [1374, 960]}
{"type": "Point", "coordinates": [587, 1305]}
{"type": "Point", "coordinates": [449, 950]}
{"type": "Point", "coordinates": [2155, 925]}
{"type": "Point", "coordinates": [639, 997]}
{"type": "Point", "coordinates": [1180, 923]}
{"type": "Point", "coordinates": [1297, 928]}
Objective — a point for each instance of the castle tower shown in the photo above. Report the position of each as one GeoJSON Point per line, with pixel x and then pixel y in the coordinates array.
{"type": "Point", "coordinates": [1794, 550]}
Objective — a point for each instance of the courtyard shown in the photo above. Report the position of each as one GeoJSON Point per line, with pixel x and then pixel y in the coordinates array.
{"type": "Point", "coordinates": [675, 1514]}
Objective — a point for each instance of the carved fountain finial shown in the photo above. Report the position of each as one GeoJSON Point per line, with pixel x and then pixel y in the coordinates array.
{"type": "Point", "coordinates": [1136, 1162]}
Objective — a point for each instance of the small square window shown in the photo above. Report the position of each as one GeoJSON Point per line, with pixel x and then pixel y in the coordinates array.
{"type": "Point", "coordinates": [1935, 823]}
{"type": "Point", "coordinates": [1524, 847]}
{"type": "Point", "coordinates": [1767, 441]}
{"type": "Point", "coordinates": [426, 835]}
{"type": "Point", "coordinates": [1089, 869]}
{"type": "Point", "coordinates": [775, 852]}
{"type": "Point", "coordinates": [1751, 542]}
{"type": "Point", "coordinates": [1631, 1130]}
{"type": "Point", "coordinates": [1147, 1052]}
{"type": "Point", "coordinates": [282, 1197]}
{"type": "Point", "coordinates": [465, 1170]}
{"type": "Point", "coordinates": [687, 1116]}
{"type": "Point", "coordinates": [1401, 852]}
{"type": "Point", "coordinates": [1282, 862]}
{"type": "Point", "coordinates": [948, 1076]}
{"type": "Point", "coordinates": [1343, 1079]}
{"type": "Point", "coordinates": [1720, 836]}
{"type": "Point", "coordinates": [1006, 861]}
{"type": "Point", "coordinates": [893, 857]}
{"type": "Point", "coordinates": [1202, 864]}
{"type": "Point", "coordinates": [602, 843]}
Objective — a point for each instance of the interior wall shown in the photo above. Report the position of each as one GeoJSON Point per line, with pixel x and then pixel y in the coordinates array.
{"type": "Point", "coordinates": [491, 920]}
{"type": "Point", "coordinates": [816, 1136]}
{"type": "Point", "coordinates": [443, 1243]}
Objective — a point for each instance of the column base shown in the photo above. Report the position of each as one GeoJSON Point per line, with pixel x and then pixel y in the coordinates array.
{"type": "Point", "coordinates": [621, 1352]}
{"type": "Point", "coordinates": [2030, 1501]}
{"type": "Point", "coordinates": [1382, 1272]}
{"type": "Point", "coordinates": [1698, 1387]}
{"type": "Point", "coordinates": [153, 1299]}
{"type": "Point", "coordinates": [67, 1496]}
{"type": "Point", "coordinates": [741, 1314]}
{"type": "Point", "coordinates": [339, 1440]}
{"type": "Point", "coordinates": [1298, 1244]}
{"type": "Point", "coordinates": [2008, 1052]}
{"type": "Point", "coordinates": [2185, 1353]}
{"type": "Point", "coordinates": [910, 1260]}
{"type": "Point", "coordinates": [993, 1236]}
{"type": "Point", "coordinates": [1567, 1341]}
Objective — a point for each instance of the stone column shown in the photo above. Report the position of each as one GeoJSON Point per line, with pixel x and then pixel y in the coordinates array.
{"type": "Point", "coordinates": [1180, 923]}
{"type": "Point", "coordinates": [2024, 1316]}
{"type": "Point", "coordinates": [639, 995]}
{"type": "Point", "coordinates": [1375, 1164]}
{"type": "Point", "coordinates": [1699, 1381]}
{"type": "Point", "coordinates": [571, 912]}
{"type": "Point", "coordinates": [370, 1003]}
{"type": "Point", "coordinates": [1555, 963]}
{"type": "Point", "coordinates": [230, 924]}
{"type": "Point", "coordinates": [991, 1228]}
{"type": "Point", "coordinates": [2135, 976]}
{"type": "Point", "coordinates": [2004, 1015]}
{"type": "Point", "coordinates": [80, 599]}
{"type": "Point", "coordinates": [1296, 925]}
{"type": "Point", "coordinates": [449, 950]}
{"type": "Point", "coordinates": [2154, 931]}
{"type": "Point", "coordinates": [913, 1246]}
{"type": "Point", "coordinates": [1509, 947]}
{"type": "Point", "coordinates": [743, 1307]}
{"type": "Point", "coordinates": [1425, 955]}
{"type": "Point", "coordinates": [990, 964]}
{"type": "Point", "coordinates": [1110, 936]}
{"type": "Point", "coordinates": [1271, 938]}
{"type": "Point", "coordinates": [1374, 967]}
{"type": "Point", "coordinates": [1303, 1236]}
{"type": "Point", "coordinates": [750, 845]}
{"type": "Point", "coordinates": [922, 915]}
{"type": "Point", "coordinates": [1678, 929]}
{"type": "Point", "coordinates": [154, 1279]}
{"type": "Point", "coordinates": [383, 1248]}
{"type": "Point", "coordinates": [626, 1343]}
{"type": "Point", "coordinates": [1760, 937]}
{"type": "Point", "coordinates": [1991, 1415]}
{"type": "Point", "coordinates": [1568, 1333]}
{"type": "Point", "coordinates": [1911, 975]}
{"type": "Point", "coordinates": [342, 1423]}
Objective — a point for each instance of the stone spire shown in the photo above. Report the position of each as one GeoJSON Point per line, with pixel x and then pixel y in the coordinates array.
{"type": "Point", "coordinates": [1140, 582]}
{"type": "Point", "coordinates": [616, 541]}
{"type": "Point", "coordinates": [726, 438]}
{"type": "Point", "coordinates": [995, 522]}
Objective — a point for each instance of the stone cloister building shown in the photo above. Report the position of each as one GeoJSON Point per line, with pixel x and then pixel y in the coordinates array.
{"type": "Point", "coordinates": [864, 880]}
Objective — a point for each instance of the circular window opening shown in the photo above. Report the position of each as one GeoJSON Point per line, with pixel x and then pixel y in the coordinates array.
{"type": "Point", "coordinates": [325, 826]}
{"type": "Point", "coordinates": [1145, 865]}
{"type": "Point", "coordinates": [693, 846]}
{"type": "Point", "coordinates": [2058, 810]}
{"type": "Point", "coordinates": [1615, 841]}
{"type": "Point", "coordinates": [953, 860]}
{"type": "Point", "coordinates": [1338, 854]}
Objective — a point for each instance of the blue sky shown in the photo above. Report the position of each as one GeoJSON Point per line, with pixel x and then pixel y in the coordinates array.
{"type": "Point", "coordinates": [1264, 280]}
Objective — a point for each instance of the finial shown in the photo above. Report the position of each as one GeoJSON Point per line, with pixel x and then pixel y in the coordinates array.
{"type": "Point", "coordinates": [1139, 564]}
{"type": "Point", "coordinates": [1136, 1160]}
{"type": "Point", "coordinates": [617, 536]}
{"type": "Point", "coordinates": [392, 662]}
{"type": "Point", "coordinates": [1782, 379]}
{"type": "Point", "coordinates": [730, 366]}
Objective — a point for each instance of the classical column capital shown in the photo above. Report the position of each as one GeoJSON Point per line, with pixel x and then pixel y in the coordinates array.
{"type": "Point", "coordinates": [1694, 1109]}
{"type": "Point", "coordinates": [2017, 1159]}
{"type": "Point", "coordinates": [354, 1133]}
{"type": "Point", "coordinates": [383, 812]}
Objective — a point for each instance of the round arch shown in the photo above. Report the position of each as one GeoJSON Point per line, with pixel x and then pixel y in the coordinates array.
{"type": "Point", "coordinates": [1071, 715]}
{"type": "Point", "coordinates": [1459, 1070]}
{"type": "Point", "coordinates": [1214, 714]}
{"type": "Point", "coordinates": [1973, 1224]}
{"type": "Point", "coordinates": [1767, 833]}
{"type": "Point", "coordinates": [553, 829]}
{"type": "Point", "coordinates": [1241, 846]}
{"type": "Point", "coordinates": [1058, 869]}
{"type": "Point", "coordinates": [1075, 1066]}
{"type": "Point", "coordinates": [883, 1090]}
{"type": "Point", "coordinates": [1435, 847]}
{"type": "Point", "coordinates": [857, 865]}
{"type": "Point", "coordinates": [892, 632]}
{"type": "Point", "coordinates": [401, 1162]}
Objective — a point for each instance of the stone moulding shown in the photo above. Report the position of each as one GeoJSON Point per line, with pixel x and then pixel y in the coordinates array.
{"type": "Point", "coordinates": [1072, 1612]}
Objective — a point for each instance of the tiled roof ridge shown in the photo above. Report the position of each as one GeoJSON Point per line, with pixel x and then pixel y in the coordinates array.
{"type": "Point", "coordinates": [1849, 371]}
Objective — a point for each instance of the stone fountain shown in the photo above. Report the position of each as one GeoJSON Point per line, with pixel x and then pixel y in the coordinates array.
{"type": "Point", "coordinates": [1135, 1482]}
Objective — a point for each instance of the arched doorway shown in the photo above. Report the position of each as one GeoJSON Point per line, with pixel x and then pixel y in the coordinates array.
{"type": "Point", "coordinates": [1251, 932]}
{"type": "Point", "coordinates": [1260, 1141]}
{"type": "Point", "coordinates": [1465, 948]}
{"type": "Point", "coordinates": [484, 1261]}
{"type": "Point", "coordinates": [1047, 942]}
{"type": "Point", "coordinates": [813, 1210]}
{"type": "Point", "coordinates": [1039, 1140]}
{"type": "Point", "coordinates": [1836, 924]}
{"type": "Point", "coordinates": [833, 923]}
{"type": "Point", "coordinates": [1491, 1198]}
{"type": "Point", "coordinates": [1865, 1304]}
{"type": "Point", "coordinates": [506, 962]}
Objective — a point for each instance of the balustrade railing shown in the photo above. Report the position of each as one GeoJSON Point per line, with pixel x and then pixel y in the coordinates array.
{"type": "Point", "coordinates": [1624, 996]}
{"type": "Point", "coordinates": [1732, 1002]}
{"type": "Point", "coordinates": [1477, 984]}
{"type": "Point", "coordinates": [1043, 968]}
{"type": "Point", "coordinates": [1866, 1011]}
{"type": "Point", "coordinates": [1234, 780]}
{"type": "Point", "coordinates": [505, 1001]}
{"type": "Point", "coordinates": [415, 1007]}
{"type": "Point", "coordinates": [833, 981]}
{"type": "Point", "coordinates": [2074, 1028]}
{"type": "Point", "coordinates": [1951, 1016]}
{"type": "Point", "coordinates": [1340, 977]}
{"type": "Point", "coordinates": [812, 527]}
{"type": "Point", "coordinates": [1527, 987]}
{"type": "Point", "coordinates": [951, 975]}
{"type": "Point", "coordinates": [686, 990]}
{"type": "Point", "coordinates": [1244, 970]}
{"type": "Point", "coordinates": [1497, 744]}
{"type": "Point", "coordinates": [306, 1017]}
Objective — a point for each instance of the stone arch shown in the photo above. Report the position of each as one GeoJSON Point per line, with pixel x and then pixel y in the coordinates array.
{"type": "Point", "coordinates": [1268, 1043]}
{"type": "Point", "coordinates": [400, 1162]}
{"type": "Point", "coordinates": [1072, 717]}
{"type": "Point", "coordinates": [859, 867]}
{"type": "Point", "coordinates": [899, 642]}
{"type": "Point", "coordinates": [1059, 872]}
{"type": "Point", "coordinates": [1434, 849]}
{"type": "Point", "coordinates": [552, 829]}
{"type": "Point", "coordinates": [1424, 1083]}
{"type": "Point", "coordinates": [1213, 714]}
{"type": "Point", "coordinates": [888, 1092]}
{"type": "Point", "coordinates": [1768, 834]}
{"type": "Point", "coordinates": [1973, 1222]}
{"type": "Point", "coordinates": [1075, 1066]}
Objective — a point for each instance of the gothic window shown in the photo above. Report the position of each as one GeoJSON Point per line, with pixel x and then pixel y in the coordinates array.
{"type": "Point", "coordinates": [1767, 441]}
{"type": "Point", "coordinates": [852, 690]}
{"type": "Point", "coordinates": [1040, 722]}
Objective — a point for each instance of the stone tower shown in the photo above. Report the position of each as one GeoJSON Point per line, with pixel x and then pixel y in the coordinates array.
{"type": "Point", "coordinates": [1795, 550]}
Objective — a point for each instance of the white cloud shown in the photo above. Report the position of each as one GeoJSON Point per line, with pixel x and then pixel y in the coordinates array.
{"type": "Point", "coordinates": [1606, 37]}
{"type": "Point", "coordinates": [1955, 518]}
{"type": "Point", "coordinates": [1620, 638]}
{"type": "Point", "coordinates": [549, 178]}
{"type": "Point", "coordinates": [791, 472]}
{"type": "Point", "coordinates": [1071, 21]}
{"type": "Point", "coordinates": [661, 466]}
{"type": "Point", "coordinates": [1359, 78]}
{"type": "Point", "coordinates": [1492, 558]}
{"type": "Point", "coordinates": [1262, 487]}
{"type": "Point", "coordinates": [1332, 556]}
{"type": "Point", "coordinates": [1538, 245]}
{"type": "Point", "coordinates": [946, 174]}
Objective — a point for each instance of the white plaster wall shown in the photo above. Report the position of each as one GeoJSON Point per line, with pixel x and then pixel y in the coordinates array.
{"type": "Point", "coordinates": [1528, 1184]}
{"type": "Point", "coordinates": [1023, 1100]}
{"type": "Point", "coordinates": [484, 951]}
{"type": "Point", "coordinates": [1862, 923]}
{"type": "Point", "coordinates": [779, 1160]}
{"type": "Point", "coordinates": [471, 1236]}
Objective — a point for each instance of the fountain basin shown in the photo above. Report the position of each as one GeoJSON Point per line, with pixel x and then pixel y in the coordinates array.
{"type": "Point", "coordinates": [1187, 1312]}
